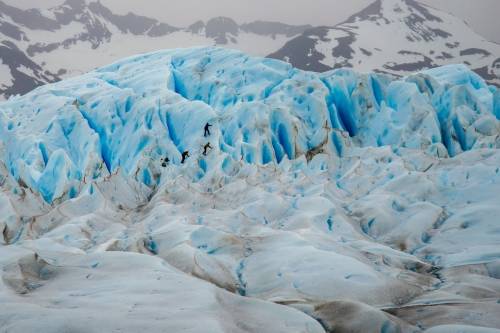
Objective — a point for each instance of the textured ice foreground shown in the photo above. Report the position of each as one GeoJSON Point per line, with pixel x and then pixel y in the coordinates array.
{"type": "Point", "coordinates": [337, 202]}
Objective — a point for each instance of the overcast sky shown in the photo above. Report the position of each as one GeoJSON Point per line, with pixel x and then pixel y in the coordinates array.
{"type": "Point", "coordinates": [482, 15]}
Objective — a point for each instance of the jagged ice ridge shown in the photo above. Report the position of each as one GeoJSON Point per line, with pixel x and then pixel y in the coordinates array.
{"type": "Point", "coordinates": [130, 114]}
{"type": "Point", "coordinates": [330, 202]}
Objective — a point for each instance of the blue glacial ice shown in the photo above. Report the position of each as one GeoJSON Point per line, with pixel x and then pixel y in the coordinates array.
{"type": "Point", "coordinates": [338, 201]}
{"type": "Point", "coordinates": [132, 113]}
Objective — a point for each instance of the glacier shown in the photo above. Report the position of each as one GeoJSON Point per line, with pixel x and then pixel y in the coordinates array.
{"type": "Point", "coordinates": [330, 202]}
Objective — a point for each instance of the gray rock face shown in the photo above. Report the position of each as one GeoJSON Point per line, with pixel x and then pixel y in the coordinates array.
{"type": "Point", "coordinates": [472, 51]}
{"type": "Point", "coordinates": [32, 18]}
{"type": "Point", "coordinates": [424, 62]}
{"type": "Point", "coordinates": [22, 82]}
{"type": "Point", "coordinates": [495, 68]}
{"type": "Point", "coordinates": [131, 23]}
{"type": "Point", "coordinates": [196, 27]}
{"type": "Point", "coordinates": [294, 51]}
{"type": "Point", "coordinates": [221, 29]}
{"type": "Point", "coordinates": [11, 31]}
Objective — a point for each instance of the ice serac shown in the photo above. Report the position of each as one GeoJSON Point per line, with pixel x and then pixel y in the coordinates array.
{"type": "Point", "coordinates": [328, 202]}
{"type": "Point", "coordinates": [130, 114]}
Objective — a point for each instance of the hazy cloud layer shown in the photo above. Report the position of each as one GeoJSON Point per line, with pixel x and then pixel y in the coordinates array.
{"type": "Point", "coordinates": [482, 15]}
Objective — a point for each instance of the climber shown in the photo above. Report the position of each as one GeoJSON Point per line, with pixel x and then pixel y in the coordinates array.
{"type": "Point", "coordinates": [205, 148]}
{"type": "Point", "coordinates": [207, 129]}
{"type": "Point", "coordinates": [165, 162]}
{"type": "Point", "coordinates": [184, 156]}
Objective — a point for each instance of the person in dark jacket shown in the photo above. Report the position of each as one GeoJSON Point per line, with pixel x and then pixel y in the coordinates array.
{"type": "Point", "coordinates": [206, 148]}
{"type": "Point", "coordinates": [184, 156]}
{"type": "Point", "coordinates": [207, 129]}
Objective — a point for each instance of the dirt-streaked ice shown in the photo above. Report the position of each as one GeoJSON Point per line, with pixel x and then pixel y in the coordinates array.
{"type": "Point", "coordinates": [337, 202]}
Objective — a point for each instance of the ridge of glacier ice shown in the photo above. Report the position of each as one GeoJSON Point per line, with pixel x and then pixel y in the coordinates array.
{"type": "Point", "coordinates": [336, 202]}
{"type": "Point", "coordinates": [129, 115]}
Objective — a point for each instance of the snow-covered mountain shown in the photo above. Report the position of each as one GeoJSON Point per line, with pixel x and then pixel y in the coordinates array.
{"type": "Point", "coordinates": [397, 37]}
{"type": "Point", "coordinates": [390, 36]}
{"type": "Point", "coordinates": [333, 202]}
{"type": "Point", "coordinates": [37, 47]}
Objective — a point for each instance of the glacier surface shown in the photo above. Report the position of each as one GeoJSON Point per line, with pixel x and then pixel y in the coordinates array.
{"type": "Point", "coordinates": [332, 202]}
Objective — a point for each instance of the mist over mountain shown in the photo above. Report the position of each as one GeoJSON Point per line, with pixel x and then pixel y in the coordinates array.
{"type": "Point", "coordinates": [480, 15]}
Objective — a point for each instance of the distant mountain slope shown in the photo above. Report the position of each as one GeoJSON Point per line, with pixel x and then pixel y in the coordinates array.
{"type": "Point", "coordinates": [391, 36]}
{"type": "Point", "coordinates": [396, 37]}
{"type": "Point", "coordinates": [18, 73]}
{"type": "Point", "coordinates": [43, 46]}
